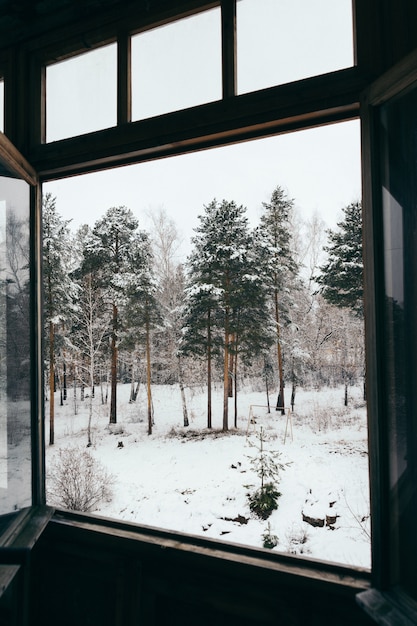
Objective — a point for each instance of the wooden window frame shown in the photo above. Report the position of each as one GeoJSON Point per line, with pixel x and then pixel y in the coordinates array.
{"type": "Point", "coordinates": [304, 104]}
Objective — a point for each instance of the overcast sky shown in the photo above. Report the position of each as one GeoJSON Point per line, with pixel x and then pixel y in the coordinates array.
{"type": "Point", "coordinates": [319, 168]}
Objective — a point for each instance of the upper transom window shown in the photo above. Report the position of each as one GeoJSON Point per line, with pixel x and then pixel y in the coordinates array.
{"type": "Point", "coordinates": [81, 94]}
{"type": "Point", "coordinates": [280, 42]}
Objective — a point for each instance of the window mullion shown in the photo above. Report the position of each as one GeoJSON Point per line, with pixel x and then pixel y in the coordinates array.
{"type": "Point", "coordinates": [124, 79]}
{"type": "Point", "coordinates": [229, 48]}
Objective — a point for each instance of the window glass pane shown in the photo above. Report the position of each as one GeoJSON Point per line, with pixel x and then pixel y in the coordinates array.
{"type": "Point", "coordinates": [196, 479]}
{"type": "Point", "coordinates": [280, 41]}
{"type": "Point", "coordinates": [177, 66]}
{"type": "Point", "coordinates": [399, 196]}
{"type": "Point", "coordinates": [81, 94]}
{"type": "Point", "coordinates": [15, 415]}
{"type": "Point", "coordinates": [1, 105]}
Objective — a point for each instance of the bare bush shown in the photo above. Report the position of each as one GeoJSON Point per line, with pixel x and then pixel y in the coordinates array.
{"type": "Point", "coordinates": [77, 481]}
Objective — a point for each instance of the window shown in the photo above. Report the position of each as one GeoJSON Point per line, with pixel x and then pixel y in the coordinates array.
{"type": "Point", "coordinates": [280, 42]}
{"type": "Point", "coordinates": [398, 158]}
{"type": "Point", "coordinates": [15, 368]}
{"type": "Point", "coordinates": [81, 94]}
{"type": "Point", "coordinates": [189, 491]}
{"type": "Point", "coordinates": [177, 65]}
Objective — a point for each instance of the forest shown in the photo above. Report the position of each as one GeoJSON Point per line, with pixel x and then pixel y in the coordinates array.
{"type": "Point", "coordinates": [250, 351]}
{"type": "Point", "coordinates": [280, 302]}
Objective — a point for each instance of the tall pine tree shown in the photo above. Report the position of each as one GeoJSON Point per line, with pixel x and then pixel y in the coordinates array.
{"type": "Point", "coordinates": [279, 267]}
{"type": "Point", "coordinates": [110, 253]}
{"type": "Point", "coordinates": [341, 277]}
{"type": "Point", "coordinates": [223, 287]}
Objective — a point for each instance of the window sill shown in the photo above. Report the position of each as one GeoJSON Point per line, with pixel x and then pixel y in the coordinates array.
{"type": "Point", "coordinates": [302, 570]}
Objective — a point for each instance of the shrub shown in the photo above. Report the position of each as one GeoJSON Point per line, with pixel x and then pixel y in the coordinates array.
{"type": "Point", "coordinates": [77, 481]}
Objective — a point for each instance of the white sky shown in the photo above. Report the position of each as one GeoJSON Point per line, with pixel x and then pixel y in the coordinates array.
{"type": "Point", "coordinates": [319, 168]}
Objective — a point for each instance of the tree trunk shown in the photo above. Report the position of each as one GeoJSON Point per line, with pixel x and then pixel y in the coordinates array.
{"type": "Point", "coordinates": [90, 400]}
{"type": "Point", "coordinates": [293, 387]}
{"type": "Point", "coordinates": [132, 381]}
{"type": "Point", "coordinates": [61, 395]}
{"type": "Point", "coordinates": [280, 400]}
{"type": "Point", "coordinates": [209, 403]}
{"type": "Point", "coordinates": [64, 365]}
{"type": "Point", "coordinates": [235, 379]}
{"type": "Point", "coordinates": [148, 376]}
{"type": "Point", "coordinates": [266, 385]}
{"type": "Point", "coordinates": [231, 373]}
{"type": "Point", "coordinates": [113, 397]}
{"type": "Point", "coordinates": [51, 384]}
{"type": "Point", "coordinates": [226, 370]}
{"type": "Point", "coordinates": [74, 382]}
{"type": "Point", "coordinates": [184, 403]}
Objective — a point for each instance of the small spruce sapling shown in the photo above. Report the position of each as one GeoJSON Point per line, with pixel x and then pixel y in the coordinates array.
{"type": "Point", "coordinates": [267, 467]}
{"type": "Point", "coordinates": [269, 540]}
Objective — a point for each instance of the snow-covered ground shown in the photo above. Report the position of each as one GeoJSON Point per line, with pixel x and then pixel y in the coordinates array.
{"type": "Point", "coordinates": [196, 481]}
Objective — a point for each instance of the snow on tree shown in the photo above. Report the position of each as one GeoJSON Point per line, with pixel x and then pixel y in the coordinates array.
{"type": "Point", "coordinates": [142, 312]}
{"type": "Point", "coordinates": [90, 328]}
{"type": "Point", "coordinates": [111, 253]}
{"type": "Point", "coordinates": [341, 276]}
{"type": "Point", "coordinates": [60, 292]}
{"type": "Point", "coordinates": [341, 282]}
{"type": "Point", "coordinates": [169, 275]}
{"type": "Point", "coordinates": [222, 288]}
{"type": "Point", "coordinates": [279, 267]}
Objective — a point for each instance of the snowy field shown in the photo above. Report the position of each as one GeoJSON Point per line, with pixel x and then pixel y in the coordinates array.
{"type": "Point", "coordinates": [196, 481]}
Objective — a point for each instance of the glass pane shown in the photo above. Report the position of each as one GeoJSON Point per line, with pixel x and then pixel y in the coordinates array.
{"type": "Point", "coordinates": [2, 106]}
{"type": "Point", "coordinates": [15, 413]}
{"type": "Point", "coordinates": [399, 197]}
{"type": "Point", "coordinates": [280, 41]}
{"type": "Point", "coordinates": [177, 66]}
{"type": "Point", "coordinates": [196, 479]}
{"type": "Point", "coordinates": [81, 94]}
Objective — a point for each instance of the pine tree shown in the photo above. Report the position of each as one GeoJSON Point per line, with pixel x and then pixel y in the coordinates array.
{"type": "Point", "coordinates": [60, 292]}
{"type": "Point", "coordinates": [142, 311]}
{"type": "Point", "coordinates": [341, 277]}
{"type": "Point", "coordinates": [223, 293]}
{"type": "Point", "coordinates": [279, 267]}
{"type": "Point", "coordinates": [110, 253]}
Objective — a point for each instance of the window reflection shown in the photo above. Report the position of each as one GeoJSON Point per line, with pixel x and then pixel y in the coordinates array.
{"type": "Point", "coordinates": [15, 439]}
{"type": "Point", "coordinates": [399, 197]}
